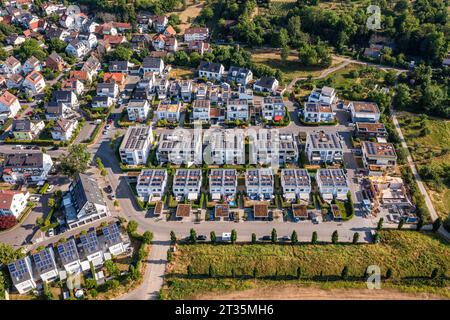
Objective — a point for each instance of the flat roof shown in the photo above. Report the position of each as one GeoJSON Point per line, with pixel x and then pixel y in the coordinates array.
{"type": "Point", "coordinates": [183, 210]}
{"type": "Point", "coordinates": [380, 150]}
{"type": "Point", "coordinates": [261, 210]}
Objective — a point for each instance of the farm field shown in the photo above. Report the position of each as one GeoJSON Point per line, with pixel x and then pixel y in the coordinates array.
{"type": "Point", "coordinates": [408, 254]}
{"type": "Point", "coordinates": [430, 148]}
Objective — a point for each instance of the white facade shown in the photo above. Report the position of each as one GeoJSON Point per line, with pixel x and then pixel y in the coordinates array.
{"type": "Point", "coordinates": [138, 110]}
{"type": "Point", "coordinates": [200, 110]}
{"type": "Point", "coordinates": [324, 147]}
{"type": "Point", "coordinates": [12, 202]}
{"type": "Point", "coordinates": [168, 110]}
{"type": "Point", "coordinates": [187, 183]}
{"type": "Point", "coordinates": [136, 145]}
{"type": "Point", "coordinates": [259, 182]}
{"type": "Point", "coordinates": [273, 107]}
{"type": "Point", "coordinates": [332, 183]}
{"type": "Point", "coordinates": [223, 182]}
{"type": "Point", "coordinates": [296, 182]}
{"type": "Point", "coordinates": [151, 183]}
{"type": "Point", "coordinates": [326, 95]}
{"type": "Point", "coordinates": [237, 109]}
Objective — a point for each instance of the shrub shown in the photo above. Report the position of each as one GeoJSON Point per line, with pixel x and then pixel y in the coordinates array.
{"type": "Point", "coordinates": [173, 237]}
{"type": "Point", "coordinates": [335, 237]}
{"type": "Point", "coordinates": [213, 237]}
{"type": "Point", "coordinates": [233, 236]}
{"type": "Point", "coordinates": [314, 238]}
{"type": "Point", "coordinates": [253, 238]}
{"type": "Point", "coordinates": [147, 237]}
{"type": "Point", "coordinates": [274, 235]}
{"type": "Point", "coordinates": [355, 237]}
{"type": "Point", "coordinates": [344, 273]}
{"type": "Point", "coordinates": [132, 226]}
{"type": "Point", "coordinates": [294, 237]}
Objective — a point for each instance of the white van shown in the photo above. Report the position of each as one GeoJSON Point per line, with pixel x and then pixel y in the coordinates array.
{"type": "Point", "coordinates": [226, 236]}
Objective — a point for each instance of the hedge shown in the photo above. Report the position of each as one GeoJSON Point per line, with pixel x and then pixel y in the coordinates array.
{"type": "Point", "coordinates": [44, 188]}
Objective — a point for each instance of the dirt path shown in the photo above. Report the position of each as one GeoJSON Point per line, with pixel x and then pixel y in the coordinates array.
{"type": "Point", "coordinates": [312, 293]}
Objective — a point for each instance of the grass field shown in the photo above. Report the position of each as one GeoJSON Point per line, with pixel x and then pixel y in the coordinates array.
{"type": "Point", "coordinates": [428, 150]}
{"type": "Point", "coordinates": [407, 253]}
{"type": "Point", "coordinates": [189, 14]}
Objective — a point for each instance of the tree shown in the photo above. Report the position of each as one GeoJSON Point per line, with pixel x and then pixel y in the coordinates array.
{"type": "Point", "coordinates": [284, 52]}
{"type": "Point", "coordinates": [213, 237]}
{"type": "Point", "coordinates": [419, 224]}
{"type": "Point", "coordinates": [7, 222]}
{"type": "Point", "coordinates": [402, 98]}
{"type": "Point", "coordinates": [190, 271]}
{"type": "Point", "coordinates": [299, 272]}
{"type": "Point", "coordinates": [30, 47]}
{"type": "Point", "coordinates": [253, 238]}
{"type": "Point", "coordinates": [376, 238]}
{"type": "Point", "coordinates": [169, 255]}
{"type": "Point", "coordinates": [437, 224]}
{"type": "Point", "coordinates": [274, 237]}
{"type": "Point", "coordinates": [314, 237]}
{"type": "Point", "coordinates": [57, 45]}
{"type": "Point", "coordinates": [388, 273]}
{"type": "Point", "coordinates": [233, 236]}
{"type": "Point", "coordinates": [132, 227]}
{"type": "Point", "coordinates": [211, 272]}
{"type": "Point", "coordinates": [193, 236]}
{"type": "Point", "coordinates": [121, 53]}
{"type": "Point", "coordinates": [112, 268]}
{"type": "Point", "coordinates": [380, 224]}
{"type": "Point", "coordinates": [344, 273]}
{"type": "Point", "coordinates": [76, 161]}
{"type": "Point", "coordinates": [294, 237]}
{"type": "Point", "coordinates": [173, 237]}
{"type": "Point", "coordinates": [355, 237]}
{"type": "Point", "coordinates": [147, 237]}
{"type": "Point", "coordinates": [335, 237]}
{"type": "Point", "coordinates": [401, 223]}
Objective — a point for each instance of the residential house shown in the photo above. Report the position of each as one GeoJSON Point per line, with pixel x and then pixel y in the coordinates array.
{"type": "Point", "coordinates": [14, 81]}
{"type": "Point", "coordinates": [171, 44]}
{"type": "Point", "coordinates": [324, 147]}
{"type": "Point", "coordinates": [150, 64]}
{"type": "Point", "coordinates": [108, 89]}
{"type": "Point", "coordinates": [237, 109]}
{"type": "Point", "coordinates": [32, 167]}
{"type": "Point", "coordinates": [296, 184]}
{"type": "Point", "coordinates": [102, 102]}
{"type": "Point", "coordinates": [162, 86]}
{"type": "Point", "coordinates": [57, 110]}
{"type": "Point", "coordinates": [159, 23]}
{"type": "Point", "coordinates": [32, 64]}
{"type": "Point", "coordinates": [273, 108]}
{"type": "Point", "coordinates": [78, 48]}
{"type": "Point", "coordinates": [152, 184]}
{"type": "Point", "coordinates": [68, 256]}
{"type": "Point", "coordinates": [64, 129]}
{"type": "Point", "coordinates": [170, 31]}
{"type": "Point", "coordinates": [21, 273]}
{"type": "Point", "coordinates": [272, 147]}
{"type": "Point", "coordinates": [159, 42]}
{"type": "Point", "coordinates": [55, 62]}
{"type": "Point", "coordinates": [119, 66]}
{"type": "Point", "coordinates": [84, 202]}
{"type": "Point", "coordinates": [11, 66]}
{"type": "Point", "coordinates": [266, 84]}
{"type": "Point", "coordinates": [187, 183]}
{"type": "Point", "coordinates": [114, 41]}
{"type": "Point", "coordinates": [117, 77]}
{"type": "Point", "coordinates": [365, 130]}
{"type": "Point", "coordinates": [92, 66]}
{"type": "Point", "coordinates": [200, 110]}
{"type": "Point", "coordinates": [12, 202]}
{"type": "Point", "coordinates": [259, 183]}
{"type": "Point", "coordinates": [45, 263]}
{"type": "Point", "coordinates": [138, 109]}
{"type": "Point", "coordinates": [141, 41]}
{"type": "Point", "coordinates": [326, 95]}
{"type": "Point", "coordinates": [34, 82]}
{"type": "Point", "coordinates": [211, 70]}
{"type": "Point", "coordinates": [168, 110]}
{"type": "Point", "coordinates": [362, 111]}
{"type": "Point", "coordinates": [332, 183]}
{"type": "Point", "coordinates": [114, 240]}
{"type": "Point", "coordinates": [223, 183]}
{"type": "Point", "coordinates": [90, 248]}
{"type": "Point", "coordinates": [317, 112]}
{"type": "Point", "coordinates": [136, 145]}
{"type": "Point", "coordinates": [72, 84]}
{"type": "Point", "coordinates": [9, 105]}
{"type": "Point", "coordinates": [182, 147]}
{"type": "Point", "coordinates": [239, 75]}
{"type": "Point", "coordinates": [67, 97]}
{"type": "Point", "coordinates": [378, 157]}
{"type": "Point", "coordinates": [196, 34]}
{"type": "Point", "coordinates": [199, 46]}
{"type": "Point", "coordinates": [81, 75]}
{"type": "Point", "coordinates": [27, 129]}
{"type": "Point", "coordinates": [186, 90]}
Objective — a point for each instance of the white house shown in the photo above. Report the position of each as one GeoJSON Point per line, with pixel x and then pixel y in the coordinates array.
{"type": "Point", "coordinates": [362, 111]}
{"type": "Point", "coordinates": [259, 183]}
{"type": "Point", "coordinates": [108, 89]}
{"type": "Point", "coordinates": [45, 264]}
{"type": "Point", "coordinates": [324, 147]}
{"type": "Point", "coordinates": [32, 64]}
{"type": "Point", "coordinates": [326, 95]}
{"type": "Point", "coordinates": [11, 66]}
{"type": "Point", "coordinates": [224, 147]}
{"type": "Point", "coordinates": [237, 109]}
{"type": "Point", "coordinates": [239, 75]}
{"type": "Point", "coordinates": [200, 110]}
{"type": "Point", "coordinates": [332, 183]}
{"type": "Point", "coordinates": [187, 183]}
{"type": "Point", "coordinates": [34, 82]}
{"type": "Point", "coordinates": [68, 256]}
{"type": "Point", "coordinates": [64, 129]}
{"type": "Point", "coordinates": [296, 183]}
{"type": "Point", "coordinates": [9, 104]}
{"type": "Point", "coordinates": [102, 102]}
{"type": "Point", "coordinates": [196, 34]}
{"type": "Point", "coordinates": [317, 112]}
{"type": "Point", "coordinates": [266, 84]}
{"type": "Point", "coordinates": [12, 202]}
{"type": "Point", "coordinates": [211, 70]}
{"type": "Point", "coordinates": [136, 145]}
{"type": "Point", "coordinates": [151, 64]}
{"type": "Point", "coordinates": [378, 157]}
{"type": "Point", "coordinates": [168, 110]}
{"type": "Point", "coordinates": [26, 167]}
{"type": "Point", "coordinates": [151, 184]}
{"type": "Point", "coordinates": [222, 183]}
{"type": "Point", "coordinates": [91, 249]}
{"type": "Point", "coordinates": [273, 108]}
{"type": "Point", "coordinates": [78, 48]}
{"type": "Point", "coordinates": [21, 272]}
{"type": "Point", "coordinates": [114, 240]}
{"type": "Point", "coordinates": [182, 147]}
{"type": "Point", "coordinates": [138, 109]}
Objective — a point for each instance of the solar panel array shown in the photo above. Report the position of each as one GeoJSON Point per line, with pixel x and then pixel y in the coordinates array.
{"type": "Point", "coordinates": [112, 234]}
{"type": "Point", "coordinates": [89, 242]}
{"type": "Point", "coordinates": [44, 261]}
{"type": "Point", "coordinates": [295, 177]}
{"type": "Point", "coordinates": [68, 251]}
{"type": "Point", "coordinates": [18, 270]}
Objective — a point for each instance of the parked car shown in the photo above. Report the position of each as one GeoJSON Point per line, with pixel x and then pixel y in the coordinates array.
{"type": "Point", "coordinates": [285, 238]}
{"type": "Point", "coordinates": [51, 232]}
{"type": "Point", "coordinates": [201, 237]}
{"type": "Point", "coordinates": [266, 238]}
{"type": "Point", "coordinates": [50, 188]}
{"type": "Point", "coordinates": [108, 189]}
{"type": "Point", "coordinates": [34, 198]}
{"type": "Point", "coordinates": [112, 197]}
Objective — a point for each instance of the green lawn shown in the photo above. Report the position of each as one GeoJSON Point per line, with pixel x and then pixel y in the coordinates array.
{"type": "Point", "coordinates": [430, 149]}
{"type": "Point", "coordinates": [407, 253]}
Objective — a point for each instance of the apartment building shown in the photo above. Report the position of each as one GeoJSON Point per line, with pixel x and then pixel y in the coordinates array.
{"type": "Point", "coordinates": [362, 111]}
{"type": "Point", "coordinates": [322, 147]}
{"type": "Point", "coordinates": [136, 145]}
{"type": "Point", "coordinates": [237, 109]}
{"type": "Point", "coordinates": [272, 147]}
{"type": "Point", "coordinates": [181, 147]}
{"type": "Point", "coordinates": [138, 109]}
{"type": "Point", "coordinates": [32, 167]}
{"type": "Point", "coordinates": [224, 147]}
{"type": "Point", "coordinates": [273, 108]}
{"type": "Point", "coordinates": [378, 157]}
{"type": "Point", "coordinates": [317, 112]}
